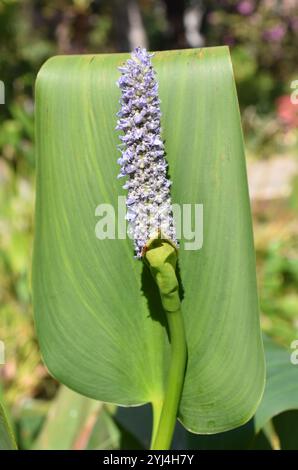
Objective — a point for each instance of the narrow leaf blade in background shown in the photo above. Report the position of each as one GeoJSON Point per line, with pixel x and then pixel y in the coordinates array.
{"type": "Point", "coordinates": [69, 423]}
{"type": "Point", "coordinates": [7, 439]}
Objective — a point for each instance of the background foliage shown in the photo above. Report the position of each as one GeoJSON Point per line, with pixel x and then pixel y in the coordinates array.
{"type": "Point", "coordinates": [263, 36]}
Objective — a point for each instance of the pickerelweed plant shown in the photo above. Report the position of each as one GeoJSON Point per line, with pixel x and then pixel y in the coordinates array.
{"type": "Point", "coordinates": [150, 218]}
{"type": "Point", "coordinates": [100, 322]}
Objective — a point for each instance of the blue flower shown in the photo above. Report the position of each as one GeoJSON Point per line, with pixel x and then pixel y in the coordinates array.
{"type": "Point", "coordinates": [149, 207]}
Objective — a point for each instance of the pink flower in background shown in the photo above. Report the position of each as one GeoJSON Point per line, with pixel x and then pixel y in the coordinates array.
{"type": "Point", "coordinates": [276, 33]}
{"type": "Point", "coordinates": [245, 7]}
{"type": "Point", "coordinates": [287, 112]}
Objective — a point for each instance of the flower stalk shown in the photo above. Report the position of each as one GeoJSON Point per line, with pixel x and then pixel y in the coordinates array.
{"type": "Point", "coordinates": [161, 257]}
{"type": "Point", "coordinates": [150, 218]}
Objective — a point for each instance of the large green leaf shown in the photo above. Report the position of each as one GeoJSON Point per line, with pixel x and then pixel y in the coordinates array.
{"type": "Point", "coordinates": [98, 315]}
{"type": "Point", "coordinates": [274, 424]}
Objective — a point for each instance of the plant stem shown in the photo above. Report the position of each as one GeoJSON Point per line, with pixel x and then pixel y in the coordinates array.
{"type": "Point", "coordinates": [157, 406]}
{"type": "Point", "coordinates": [161, 257]}
{"type": "Point", "coordinates": [162, 438]}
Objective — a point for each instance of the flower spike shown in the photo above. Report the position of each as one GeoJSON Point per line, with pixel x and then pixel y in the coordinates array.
{"type": "Point", "coordinates": [142, 161]}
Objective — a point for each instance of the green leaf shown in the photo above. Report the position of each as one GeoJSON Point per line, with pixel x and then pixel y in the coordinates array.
{"type": "Point", "coordinates": [278, 430]}
{"type": "Point", "coordinates": [29, 416]}
{"type": "Point", "coordinates": [98, 315]}
{"type": "Point", "coordinates": [7, 439]}
{"type": "Point", "coordinates": [69, 423]}
{"type": "Point", "coordinates": [281, 391]}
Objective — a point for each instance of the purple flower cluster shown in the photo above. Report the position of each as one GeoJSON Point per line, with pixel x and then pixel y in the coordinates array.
{"type": "Point", "coordinates": [149, 209]}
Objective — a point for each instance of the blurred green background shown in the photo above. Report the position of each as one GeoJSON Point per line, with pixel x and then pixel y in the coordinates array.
{"type": "Point", "coordinates": [263, 37]}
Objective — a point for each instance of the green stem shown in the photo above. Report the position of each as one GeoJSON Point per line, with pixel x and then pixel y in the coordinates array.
{"type": "Point", "coordinates": [157, 406]}
{"type": "Point", "coordinates": [161, 257]}
{"type": "Point", "coordinates": [162, 438]}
